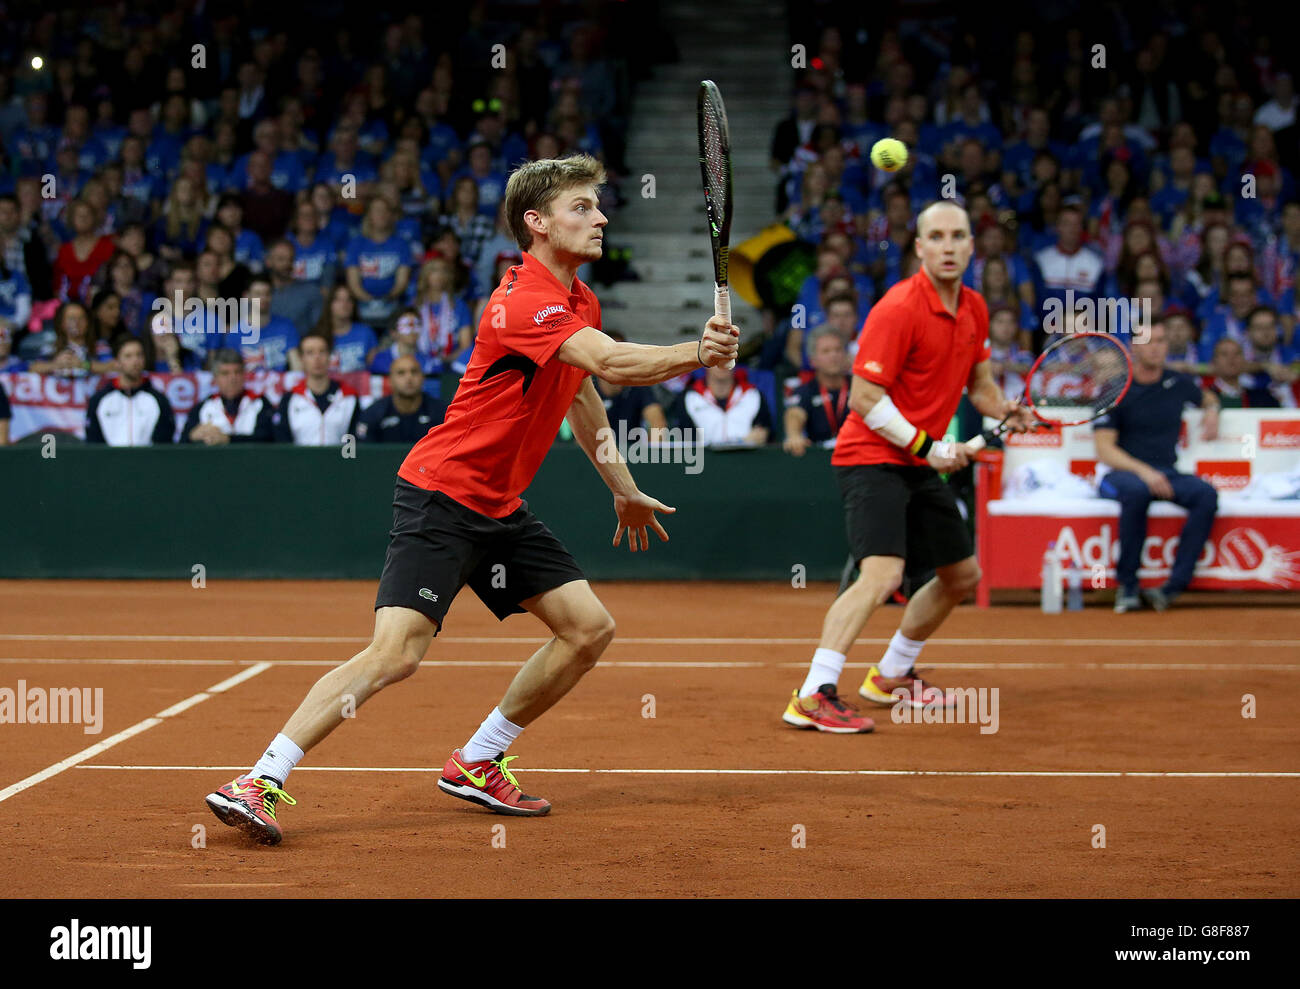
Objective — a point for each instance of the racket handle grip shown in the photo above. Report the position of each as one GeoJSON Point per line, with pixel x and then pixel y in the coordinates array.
{"type": "Point", "coordinates": [976, 444]}
{"type": "Point", "coordinates": [722, 309]}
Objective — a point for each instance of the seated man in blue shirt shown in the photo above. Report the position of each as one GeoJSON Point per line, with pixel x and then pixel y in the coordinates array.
{"type": "Point", "coordinates": [1136, 440]}
{"type": "Point", "coordinates": [406, 414]}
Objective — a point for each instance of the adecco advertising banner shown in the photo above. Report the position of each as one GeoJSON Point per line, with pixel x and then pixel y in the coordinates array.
{"type": "Point", "coordinates": [1241, 554]}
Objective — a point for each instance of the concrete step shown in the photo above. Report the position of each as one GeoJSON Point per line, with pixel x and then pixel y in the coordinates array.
{"type": "Point", "coordinates": [758, 86]}
{"type": "Point", "coordinates": [723, 14]}
{"type": "Point", "coordinates": [668, 325]}
{"type": "Point", "coordinates": [677, 270]}
{"type": "Point", "coordinates": [759, 65]}
{"type": "Point", "coordinates": [689, 227]}
{"type": "Point", "coordinates": [660, 244]}
{"type": "Point", "coordinates": [671, 294]}
{"type": "Point", "coordinates": [744, 154]}
{"type": "Point", "coordinates": [760, 94]}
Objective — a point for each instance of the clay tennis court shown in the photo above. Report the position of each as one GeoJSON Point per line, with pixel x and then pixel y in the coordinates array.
{"type": "Point", "coordinates": [1134, 724]}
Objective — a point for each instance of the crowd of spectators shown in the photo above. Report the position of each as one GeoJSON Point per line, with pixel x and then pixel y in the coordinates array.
{"type": "Point", "coordinates": [333, 170]}
{"type": "Point", "coordinates": [349, 184]}
{"type": "Point", "coordinates": [1158, 167]}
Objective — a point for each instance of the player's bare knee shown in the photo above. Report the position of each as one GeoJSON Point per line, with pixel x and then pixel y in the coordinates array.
{"type": "Point", "coordinates": [588, 636]}
{"type": "Point", "coordinates": [884, 592]}
{"type": "Point", "coordinates": [595, 635]}
{"type": "Point", "coordinates": [389, 662]}
{"type": "Point", "coordinates": [962, 580]}
{"type": "Point", "coordinates": [879, 581]}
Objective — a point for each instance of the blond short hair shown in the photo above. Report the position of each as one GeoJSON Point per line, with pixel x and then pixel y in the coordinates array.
{"type": "Point", "coordinates": [535, 185]}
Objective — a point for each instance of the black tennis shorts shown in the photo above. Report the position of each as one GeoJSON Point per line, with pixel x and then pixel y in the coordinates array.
{"type": "Point", "coordinates": [437, 546]}
{"type": "Point", "coordinates": [895, 510]}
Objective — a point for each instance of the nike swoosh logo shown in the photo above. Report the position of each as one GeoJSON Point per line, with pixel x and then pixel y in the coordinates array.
{"type": "Point", "coordinates": [479, 781]}
{"type": "Point", "coordinates": [428, 594]}
{"type": "Point", "coordinates": [239, 791]}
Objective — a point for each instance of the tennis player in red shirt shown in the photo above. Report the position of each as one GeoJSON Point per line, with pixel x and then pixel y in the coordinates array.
{"type": "Point", "coordinates": [926, 340]}
{"type": "Point", "coordinates": [457, 515]}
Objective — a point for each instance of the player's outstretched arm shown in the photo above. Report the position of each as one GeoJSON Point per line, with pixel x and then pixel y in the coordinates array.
{"type": "Point", "coordinates": [641, 364]}
{"type": "Point", "coordinates": [635, 509]}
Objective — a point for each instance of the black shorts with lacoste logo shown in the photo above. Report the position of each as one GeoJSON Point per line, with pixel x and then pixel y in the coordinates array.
{"type": "Point", "coordinates": [908, 512]}
{"type": "Point", "coordinates": [437, 546]}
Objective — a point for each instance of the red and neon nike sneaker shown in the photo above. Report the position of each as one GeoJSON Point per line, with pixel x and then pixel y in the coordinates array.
{"type": "Point", "coordinates": [908, 689]}
{"type": "Point", "coordinates": [491, 784]}
{"type": "Point", "coordinates": [249, 804]}
{"type": "Point", "coordinates": [826, 712]}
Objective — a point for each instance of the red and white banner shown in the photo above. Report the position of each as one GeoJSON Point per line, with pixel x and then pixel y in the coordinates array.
{"type": "Point", "coordinates": [1250, 443]}
{"type": "Point", "coordinates": [1279, 434]}
{"type": "Point", "coordinates": [1242, 553]}
{"type": "Point", "coordinates": [50, 403]}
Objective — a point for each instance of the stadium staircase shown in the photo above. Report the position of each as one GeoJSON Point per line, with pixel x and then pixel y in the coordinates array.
{"type": "Point", "coordinates": [667, 234]}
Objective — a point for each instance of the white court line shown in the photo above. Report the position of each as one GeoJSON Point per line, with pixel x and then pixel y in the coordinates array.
{"type": "Point", "coordinates": [748, 772]}
{"type": "Point", "coordinates": [650, 640]}
{"type": "Point", "coordinates": [683, 664]}
{"type": "Point", "coordinates": [135, 729]}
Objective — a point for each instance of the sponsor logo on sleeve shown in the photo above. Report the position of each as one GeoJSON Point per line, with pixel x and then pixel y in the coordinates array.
{"type": "Point", "coordinates": [548, 316]}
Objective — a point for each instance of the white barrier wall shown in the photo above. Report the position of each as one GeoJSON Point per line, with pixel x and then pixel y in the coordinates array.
{"type": "Point", "coordinates": [1251, 442]}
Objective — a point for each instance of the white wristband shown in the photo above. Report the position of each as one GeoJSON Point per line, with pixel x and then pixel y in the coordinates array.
{"type": "Point", "coordinates": [886, 420]}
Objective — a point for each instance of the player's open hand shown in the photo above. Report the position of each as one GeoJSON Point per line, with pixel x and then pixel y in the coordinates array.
{"type": "Point", "coordinates": [636, 515]}
{"type": "Point", "coordinates": [720, 343]}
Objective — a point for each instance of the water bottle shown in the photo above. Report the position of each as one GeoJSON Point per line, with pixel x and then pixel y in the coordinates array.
{"type": "Point", "coordinates": [1050, 588]}
{"type": "Point", "coordinates": [1074, 586]}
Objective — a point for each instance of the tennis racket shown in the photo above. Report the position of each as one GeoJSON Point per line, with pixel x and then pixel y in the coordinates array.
{"type": "Point", "coordinates": [1077, 379]}
{"type": "Point", "coordinates": [715, 169]}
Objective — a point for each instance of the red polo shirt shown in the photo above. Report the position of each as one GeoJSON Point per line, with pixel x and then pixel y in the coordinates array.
{"type": "Point", "coordinates": [922, 356]}
{"type": "Point", "coordinates": [513, 397]}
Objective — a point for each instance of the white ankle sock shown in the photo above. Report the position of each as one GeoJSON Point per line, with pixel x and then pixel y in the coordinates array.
{"type": "Point", "coordinates": [494, 735]}
{"type": "Point", "coordinates": [900, 656]}
{"type": "Point", "coordinates": [278, 760]}
{"type": "Point", "coordinates": [827, 665]}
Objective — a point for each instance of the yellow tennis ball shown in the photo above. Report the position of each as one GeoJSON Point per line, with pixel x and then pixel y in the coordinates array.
{"type": "Point", "coordinates": [889, 154]}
